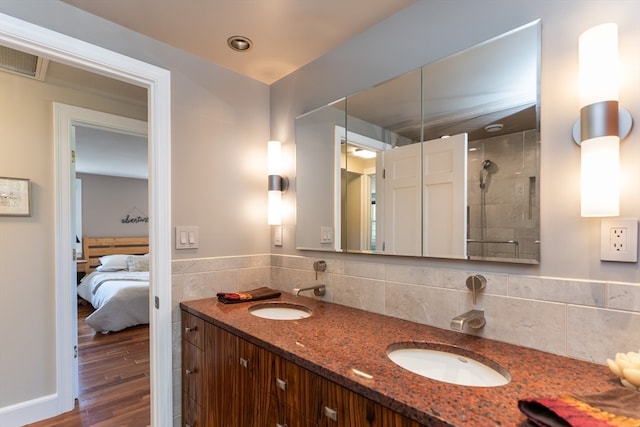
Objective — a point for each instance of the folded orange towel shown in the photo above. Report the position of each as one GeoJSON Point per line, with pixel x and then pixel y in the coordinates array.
{"type": "Point", "coordinates": [252, 295]}
{"type": "Point", "coordinates": [616, 408]}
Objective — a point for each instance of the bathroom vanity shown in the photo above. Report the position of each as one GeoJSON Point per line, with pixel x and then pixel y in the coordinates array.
{"type": "Point", "coordinates": [332, 369]}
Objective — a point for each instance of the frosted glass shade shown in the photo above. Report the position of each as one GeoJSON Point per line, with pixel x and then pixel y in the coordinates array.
{"type": "Point", "coordinates": [598, 64]}
{"type": "Point", "coordinates": [600, 177]}
{"type": "Point", "coordinates": [274, 158]}
{"type": "Point", "coordinates": [600, 145]}
{"type": "Point", "coordinates": [274, 210]}
{"type": "Point", "coordinates": [274, 201]}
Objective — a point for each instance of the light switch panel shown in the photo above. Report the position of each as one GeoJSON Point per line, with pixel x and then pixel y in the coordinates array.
{"type": "Point", "coordinates": [187, 237]}
{"type": "Point", "coordinates": [277, 235]}
{"type": "Point", "coordinates": [326, 234]}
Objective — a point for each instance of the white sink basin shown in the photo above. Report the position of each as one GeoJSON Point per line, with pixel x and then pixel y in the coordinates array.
{"type": "Point", "coordinates": [280, 311]}
{"type": "Point", "coordinates": [447, 364]}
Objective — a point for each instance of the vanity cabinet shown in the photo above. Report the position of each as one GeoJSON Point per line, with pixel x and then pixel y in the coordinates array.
{"type": "Point", "coordinates": [194, 370]}
{"type": "Point", "coordinates": [228, 381]}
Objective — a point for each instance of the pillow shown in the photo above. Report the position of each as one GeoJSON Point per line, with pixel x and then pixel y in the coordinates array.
{"type": "Point", "coordinates": [113, 263]}
{"type": "Point", "coordinates": [138, 262]}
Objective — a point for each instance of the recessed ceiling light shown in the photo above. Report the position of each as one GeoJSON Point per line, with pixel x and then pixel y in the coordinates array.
{"type": "Point", "coordinates": [239, 43]}
{"type": "Point", "coordinates": [495, 127]}
{"type": "Point", "coordinates": [365, 154]}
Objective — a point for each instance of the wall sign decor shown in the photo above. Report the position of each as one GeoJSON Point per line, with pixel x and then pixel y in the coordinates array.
{"type": "Point", "coordinates": [15, 197]}
{"type": "Point", "coordinates": [135, 216]}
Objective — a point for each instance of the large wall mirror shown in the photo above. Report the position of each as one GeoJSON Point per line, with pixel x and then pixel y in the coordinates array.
{"type": "Point", "coordinates": [442, 161]}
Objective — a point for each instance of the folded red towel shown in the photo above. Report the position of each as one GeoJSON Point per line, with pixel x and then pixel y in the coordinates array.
{"type": "Point", "coordinates": [252, 295]}
{"type": "Point", "coordinates": [615, 408]}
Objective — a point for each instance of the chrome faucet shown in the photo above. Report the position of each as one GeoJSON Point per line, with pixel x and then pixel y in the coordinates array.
{"type": "Point", "coordinates": [318, 290]}
{"type": "Point", "coordinates": [475, 319]}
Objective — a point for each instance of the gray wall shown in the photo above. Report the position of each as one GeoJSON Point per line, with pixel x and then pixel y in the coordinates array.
{"type": "Point", "coordinates": [220, 126]}
{"type": "Point", "coordinates": [106, 200]}
{"type": "Point", "coordinates": [429, 30]}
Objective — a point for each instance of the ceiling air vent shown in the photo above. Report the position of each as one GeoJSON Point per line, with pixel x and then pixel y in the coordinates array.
{"type": "Point", "coordinates": [21, 63]}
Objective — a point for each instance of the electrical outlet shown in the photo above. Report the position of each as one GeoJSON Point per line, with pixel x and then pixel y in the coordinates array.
{"type": "Point", "coordinates": [619, 240]}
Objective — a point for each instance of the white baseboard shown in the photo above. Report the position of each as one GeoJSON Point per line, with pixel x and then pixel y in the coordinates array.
{"type": "Point", "coordinates": [29, 411]}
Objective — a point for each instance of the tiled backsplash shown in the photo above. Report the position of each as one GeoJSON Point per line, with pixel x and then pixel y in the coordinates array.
{"type": "Point", "coordinates": [586, 320]}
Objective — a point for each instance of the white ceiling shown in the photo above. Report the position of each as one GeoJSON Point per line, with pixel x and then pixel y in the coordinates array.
{"type": "Point", "coordinates": [286, 34]}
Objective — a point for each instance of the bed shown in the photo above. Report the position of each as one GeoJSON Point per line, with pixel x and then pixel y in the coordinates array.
{"type": "Point", "coordinates": [117, 282]}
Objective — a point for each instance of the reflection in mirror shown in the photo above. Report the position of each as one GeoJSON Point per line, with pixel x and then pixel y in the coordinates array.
{"type": "Point", "coordinates": [396, 168]}
{"type": "Point", "coordinates": [456, 166]}
{"type": "Point", "coordinates": [318, 209]}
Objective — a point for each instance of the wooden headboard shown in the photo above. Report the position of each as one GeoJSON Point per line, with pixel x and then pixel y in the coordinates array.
{"type": "Point", "coordinates": [95, 247]}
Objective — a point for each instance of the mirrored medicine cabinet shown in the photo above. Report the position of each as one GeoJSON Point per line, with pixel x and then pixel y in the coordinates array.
{"type": "Point", "coordinates": [442, 161]}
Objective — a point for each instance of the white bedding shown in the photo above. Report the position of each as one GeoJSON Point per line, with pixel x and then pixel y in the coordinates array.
{"type": "Point", "coordinates": [121, 299]}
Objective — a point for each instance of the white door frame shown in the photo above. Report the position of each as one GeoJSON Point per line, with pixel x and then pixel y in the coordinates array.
{"type": "Point", "coordinates": [22, 35]}
{"type": "Point", "coordinates": [64, 118]}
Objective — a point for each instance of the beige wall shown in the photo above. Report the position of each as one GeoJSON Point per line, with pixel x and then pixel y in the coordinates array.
{"type": "Point", "coordinates": [27, 287]}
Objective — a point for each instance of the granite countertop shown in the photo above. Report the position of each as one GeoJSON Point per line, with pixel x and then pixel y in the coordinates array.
{"type": "Point", "coordinates": [336, 339]}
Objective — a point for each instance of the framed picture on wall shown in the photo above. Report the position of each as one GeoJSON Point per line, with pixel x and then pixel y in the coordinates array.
{"type": "Point", "coordinates": [15, 197]}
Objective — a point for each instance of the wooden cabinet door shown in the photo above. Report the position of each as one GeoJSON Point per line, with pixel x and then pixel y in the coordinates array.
{"type": "Point", "coordinates": [220, 353]}
{"type": "Point", "coordinates": [297, 393]}
{"type": "Point", "coordinates": [253, 393]}
{"type": "Point", "coordinates": [237, 382]}
{"type": "Point", "coordinates": [344, 408]}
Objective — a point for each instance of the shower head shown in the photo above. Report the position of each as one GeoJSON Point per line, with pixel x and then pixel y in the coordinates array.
{"type": "Point", "coordinates": [485, 167]}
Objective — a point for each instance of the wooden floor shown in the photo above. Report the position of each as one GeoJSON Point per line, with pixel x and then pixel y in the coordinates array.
{"type": "Point", "coordinates": [114, 379]}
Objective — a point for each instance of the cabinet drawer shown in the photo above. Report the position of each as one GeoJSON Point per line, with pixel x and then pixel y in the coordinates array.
{"type": "Point", "coordinates": [193, 372]}
{"type": "Point", "coordinates": [192, 413]}
{"type": "Point", "coordinates": [193, 329]}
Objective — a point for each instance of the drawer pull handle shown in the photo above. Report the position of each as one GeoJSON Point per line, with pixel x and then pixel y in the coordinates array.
{"type": "Point", "coordinates": [244, 363]}
{"type": "Point", "coordinates": [331, 413]}
{"type": "Point", "coordinates": [190, 372]}
{"type": "Point", "coordinates": [280, 425]}
{"type": "Point", "coordinates": [190, 329]}
{"type": "Point", "coordinates": [281, 384]}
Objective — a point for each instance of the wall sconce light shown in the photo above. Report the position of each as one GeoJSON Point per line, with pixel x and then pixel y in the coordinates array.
{"type": "Point", "coordinates": [602, 124]}
{"type": "Point", "coordinates": [278, 184]}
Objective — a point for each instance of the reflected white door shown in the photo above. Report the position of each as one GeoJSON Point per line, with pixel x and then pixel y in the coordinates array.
{"type": "Point", "coordinates": [445, 197]}
{"type": "Point", "coordinates": [402, 217]}
{"type": "Point", "coordinates": [74, 221]}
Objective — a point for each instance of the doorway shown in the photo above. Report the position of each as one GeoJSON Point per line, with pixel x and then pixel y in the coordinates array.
{"type": "Point", "coordinates": [30, 38]}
